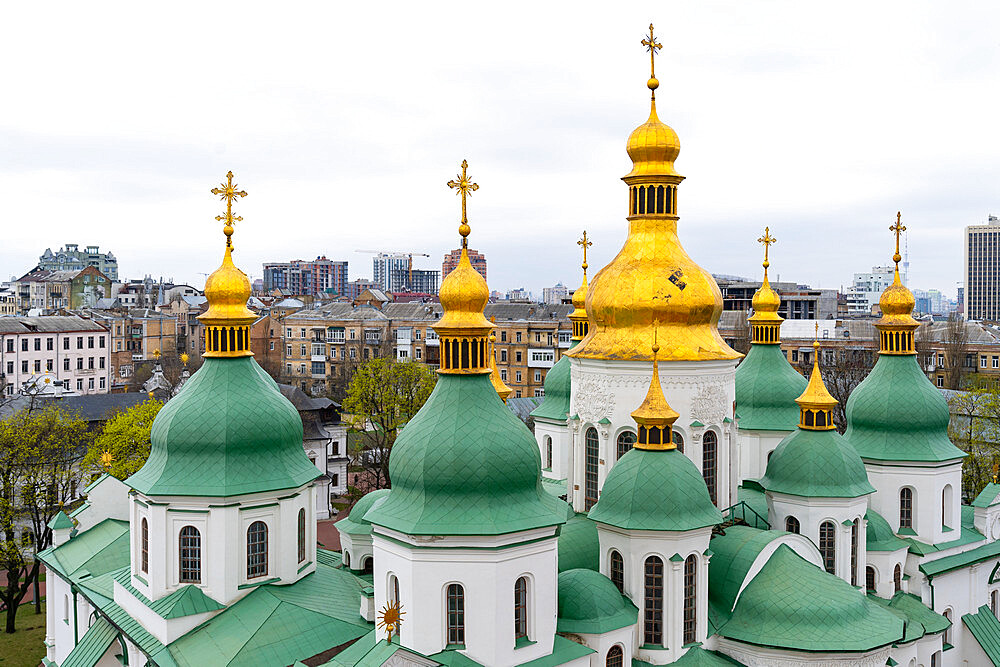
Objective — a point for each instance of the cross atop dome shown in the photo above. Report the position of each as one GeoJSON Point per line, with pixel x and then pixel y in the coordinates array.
{"type": "Point", "coordinates": [464, 187]}
{"type": "Point", "coordinates": [228, 192]}
{"type": "Point", "coordinates": [652, 46]}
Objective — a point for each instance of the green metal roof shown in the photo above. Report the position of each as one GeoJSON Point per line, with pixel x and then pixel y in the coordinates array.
{"type": "Point", "coordinates": [554, 487]}
{"type": "Point", "coordinates": [816, 464]}
{"type": "Point", "coordinates": [655, 490]}
{"type": "Point", "coordinates": [896, 414]}
{"type": "Point", "coordinates": [368, 650]}
{"type": "Point", "coordinates": [229, 432]}
{"type": "Point", "coordinates": [185, 601]}
{"type": "Point", "coordinates": [579, 546]}
{"type": "Point", "coordinates": [966, 535]}
{"type": "Point", "coordinates": [985, 627]}
{"type": "Point", "coordinates": [563, 651]}
{"type": "Point", "coordinates": [590, 604]}
{"type": "Point", "coordinates": [948, 563]}
{"type": "Point", "coordinates": [696, 656]}
{"type": "Point", "coordinates": [918, 612]}
{"type": "Point", "coordinates": [766, 389]}
{"type": "Point", "coordinates": [752, 494]}
{"type": "Point", "coordinates": [734, 554]}
{"type": "Point", "coordinates": [793, 604]}
{"type": "Point", "coordinates": [101, 549]}
{"type": "Point", "coordinates": [879, 535]}
{"type": "Point", "coordinates": [466, 465]}
{"type": "Point", "coordinates": [94, 644]}
{"type": "Point", "coordinates": [555, 405]}
{"type": "Point", "coordinates": [988, 496]}
{"type": "Point", "coordinates": [60, 521]}
{"type": "Point", "coordinates": [355, 522]}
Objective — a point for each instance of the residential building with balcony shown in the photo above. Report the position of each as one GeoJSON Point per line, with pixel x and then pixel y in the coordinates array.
{"type": "Point", "coordinates": [50, 291]}
{"type": "Point", "coordinates": [866, 288]}
{"type": "Point", "coordinates": [73, 350]}
{"type": "Point", "coordinates": [477, 259]}
{"type": "Point", "coordinates": [71, 258]}
{"type": "Point", "coordinates": [320, 276]}
{"type": "Point", "coordinates": [135, 336]}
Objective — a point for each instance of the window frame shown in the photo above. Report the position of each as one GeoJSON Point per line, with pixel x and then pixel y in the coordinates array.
{"type": "Point", "coordinates": [189, 555]}
{"type": "Point", "coordinates": [652, 601]}
{"type": "Point", "coordinates": [257, 550]}
{"type": "Point", "coordinates": [828, 545]}
{"type": "Point", "coordinates": [616, 570]}
{"type": "Point", "coordinates": [521, 608]}
{"type": "Point", "coordinates": [455, 615]}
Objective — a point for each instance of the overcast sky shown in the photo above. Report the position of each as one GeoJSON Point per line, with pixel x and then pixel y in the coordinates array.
{"type": "Point", "coordinates": [344, 121]}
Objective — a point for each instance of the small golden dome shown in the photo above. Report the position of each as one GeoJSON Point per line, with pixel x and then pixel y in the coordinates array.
{"type": "Point", "coordinates": [816, 394]}
{"type": "Point", "coordinates": [655, 414]}
{"type": "Point", "coordinates": [653, 147]}
{"type": "Point", "coordinates": [463, 295]}
{"type": "Point", "coordinates": [227, 291]}
{"type": "Point", "coordinates": [897, 303]}
{"type": "Point", "coordinates": [580, 299]}
{"type": "Point", "coordinates": [765, 300]}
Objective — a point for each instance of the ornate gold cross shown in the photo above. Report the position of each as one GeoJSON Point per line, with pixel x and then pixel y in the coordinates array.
{"type": "Point", "coordinates": [228, 192]}
{"type": "Point", "coordinates": [586, 244]}
{"type": "Point", "coordinates": [767, 240]}
{"type": "Point", "coordinates": [652, 46]}
{"type": "Point", "coordinates": [465, 187]}
{"type": "Point", "coordinates": [898, 227]}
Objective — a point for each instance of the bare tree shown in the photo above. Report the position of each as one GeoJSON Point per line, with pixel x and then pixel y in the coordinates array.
{"type": "Point", "coordinates": [847, 370]}
{"type": "Point", "coordinates": [740, 334]}
{"type": "Point", "coordinates": [956, 346]}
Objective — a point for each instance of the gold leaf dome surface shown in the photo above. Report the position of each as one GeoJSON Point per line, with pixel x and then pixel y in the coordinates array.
{"type": "Point", "coordinates": [463, 296]}
{"type": "Point", "coordinates": [580, 299]}
{"type": "Point", "coordinates": [816, 394]}
{"type": "Point", "coordinates": [227, 291]}
{"type": "Point", "coordinates": [653, 147]}
{"type": "Point", "coordinates": [897, 303]}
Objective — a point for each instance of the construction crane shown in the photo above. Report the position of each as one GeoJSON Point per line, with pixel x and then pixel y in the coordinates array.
{"type": "Point", "coordinates": [399, 255]}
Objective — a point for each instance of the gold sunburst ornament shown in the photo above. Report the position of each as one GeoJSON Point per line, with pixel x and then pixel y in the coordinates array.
{"type": "Point", "coordinates": [390, 618]}
{"type": "Point", "coordinates": [107, 458]}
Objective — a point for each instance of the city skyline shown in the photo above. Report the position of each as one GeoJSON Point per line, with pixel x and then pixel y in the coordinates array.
{"type": "Point", "coordinates": [767, 103]}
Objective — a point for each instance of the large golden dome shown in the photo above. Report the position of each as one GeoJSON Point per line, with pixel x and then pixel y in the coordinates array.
{"type": "Point", "coordinates": [897, 302]}
{"type": "Point", "coordinates": [227, 291]}
{"type": "Point", "coordinates": [653, 147]}
{"type": "Point", "coordinates": [463, 295]}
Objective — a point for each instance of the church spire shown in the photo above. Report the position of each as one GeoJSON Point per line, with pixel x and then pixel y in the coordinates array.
{"type": "Point", "coordinates": [816, 404]}
{"type": "Point", "coordinates": [655, 418]}
{"type": "Point", "coordinates": [896, 326]}
{"type": "Point", "coordinates": [579, 315]}
{"type": "Point", "coordinates": [765, 323]}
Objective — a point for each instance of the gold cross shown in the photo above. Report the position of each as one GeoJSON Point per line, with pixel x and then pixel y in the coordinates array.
{"type": "Point", "coordinates": [767, 240]}
{"type": "Point", "coordinates": [228, 192]}
{"type": "Point", "coordinates": [586, 244]}
{"type": "Point", "coordinates": [652, 46]}
{"type": "Point", "coordinates": [465, 189]}
{"type": "Point", "coordinates": [898, 227]}
{"type": "Point", "coordinates": [817, 329]}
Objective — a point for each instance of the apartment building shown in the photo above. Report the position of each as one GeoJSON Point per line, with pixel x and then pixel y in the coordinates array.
{"type": "Point", "coordinates": [477, 259]}
{"type": "Point", "coordinates": [135, 336]}
{"type": "Point", "coordinates": [71, 258]}
{"type": "Point", "coordinates": [982, 271]}
{"type": "Point", "coordinates": [798, 302]}
{"type": "Point", "coordinates": [73, 350]}
{"type": "Point", "coordinates": [320, 276]}
{"type": "Point", "coordinates": [49, 291]}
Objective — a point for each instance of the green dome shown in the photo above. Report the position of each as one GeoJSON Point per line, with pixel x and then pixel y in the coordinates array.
{"type": "Point", "coordinates": [555, 405]}
{"type": "Point", "coordinates": [228, 432]}
{"type": "Point", "coordinates": [655, 490]}
{"type": "Point", "coordinates": [579, 546]}
{"type": "Point", "coordinates": [355, 522]}
{"type": "Point", "coordinates": [766, 389]}
{"type": "Point", "coordinates": [590, 604]}
{"type": "Point", "coordinates": [466, 465]}
{"type": "Point", "coordinates": [816, 464]}
{"type": "Point", "coordinates": [896, 414]}
{"type": "Point", "coordinates": [792, 604]}
{"type": "Point", "coordinates": [879, 535]}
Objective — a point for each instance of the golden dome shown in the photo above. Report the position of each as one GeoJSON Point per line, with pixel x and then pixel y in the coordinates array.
{"type": "Point", "coordinates": [463, 295]}
{"type": "Point", "coordinates": [765, 300]}
{"type": "Point", "coordinates": [655, 416]}
{"type": "Point", "coordinates": [653, 147]}
{"type": "Point", "coordinates": [897, 303]}
{"type": "Point", "coordinates": [580, 299]}
{"type": "Point", "coordinates": [816, 394]}
{"type": "Point", "coordinates": [227, 291]}
{"type": "Point", "coordinates": [498, 384]}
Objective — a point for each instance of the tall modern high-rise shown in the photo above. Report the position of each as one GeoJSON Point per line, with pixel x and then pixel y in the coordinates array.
{"type": "Point", "coordinates": [394, 272]}
{"type": "Point", "coordinates": [71, 258]}
{"type": "Point", "coordinates": [318, 277]}
{"type": "Point", "coordinates": [982, 270]}
{"type": "Point", "coordinates": [477, 258]}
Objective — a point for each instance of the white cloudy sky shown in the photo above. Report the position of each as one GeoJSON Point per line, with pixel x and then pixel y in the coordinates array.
{"type": "Point", "coordinates": [345, 120]}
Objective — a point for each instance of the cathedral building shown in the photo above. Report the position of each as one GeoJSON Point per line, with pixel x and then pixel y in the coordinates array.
{"type": "Point", "coordinates": [676, 503]}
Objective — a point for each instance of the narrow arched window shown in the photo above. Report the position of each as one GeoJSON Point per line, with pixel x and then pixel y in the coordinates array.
{"type": "Point", "coordinates": [521, 608]}
{"type": "Point", "coordinates": [792, 524]}
{"type": "Point", "coordinates": [347, 558]}
{"type": "Point", "coordinates": [855, 530]}
{"type": "Point", "coordinates": [616, 568]}
{"type": "Point", "coordinates": [393, 588]}
{"type": "Point", "coordinates": [652, 630]}
{"type": "Point", "coordinates": [995, 603]}
{"type": "Point", "coordinates": [256, 550]}
{"type": "Point", "coordinates": [897, 579]}
{"type": "Point", "coordinates": [828, 545]}
{"type": "Point", "coordinates": [591, 458]}
{"type": "Point", "coordinates": [709, 457]}
{"type": "Point", "coordinates": [870, 579]}
{"type": "Point", "coordinates": [616, 657]}
{"type": "Point", "coordinates": [946, 496]}
{"type": "Point", "coordinates": [190, 556]}
{"type": "Point", "coordinates": [947, 631]}
{"type": "Point", "coordinates": [626, 440]}
{"type": "Point", "coordinates": [144, 546]}
{"type": "Point", "coordinates": [456, 615]}
{"type": "Point", "coordinates": [548, 452]}
{"type": "Point", "coordinates": [691, 599]}
{"type": "Point", "coordinates": [302, 535]}
{"type": "Point", "coordinates": [678, 440]}
{"type": "Point", "coordinates": [906, 507]}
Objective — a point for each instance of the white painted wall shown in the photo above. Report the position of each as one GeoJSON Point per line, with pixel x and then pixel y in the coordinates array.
{"type": "Point", "coordinates": [559, 433]}
{"type": "Point", "coordinates": [929, 484]}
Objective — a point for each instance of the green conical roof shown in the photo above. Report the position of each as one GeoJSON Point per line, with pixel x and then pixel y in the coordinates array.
{"type": "Point", "coordinates": [793, 604]}
{"type": "Point", "coordinates": [228, 432]}
{"type": "Point", "coordinates": [766, 389]}
{"type": "Point", "coordinates": [589, 603]}
{"type": "Point", "coordinates": [465, 465]}
{"type": "Point", "coordinates": [816, 464]}
{"type": "Point", "coordinates": [879, 535]}
{"type": "Point", "coordinates": [555, 405]}
{"type": "Point", "coordinates": [655, 490]}
{"type": "Point", "coordinates": [355, 522]}
{"type": "Point", "coordinates": [896, 414]}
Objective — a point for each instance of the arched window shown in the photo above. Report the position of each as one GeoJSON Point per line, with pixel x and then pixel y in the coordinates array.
{"type": "Point", "coordinates": [347, 558]}
{"type": "Point", "coordinates": [792, 524]}
{"type": "Point", "coordinates": [947, 631]}
{"type": "Point", "coordinates": [897, 579]}
{"type": "Point", "coordinates": [652, 631]}
{"type": "Point", "coordinates": [709, 456]}
{"type": "Point", "coordinates": [870, 579]}
{"type": "Point", "coordinates": [616, 568]}
{"type": "Point", "coordinates": [946, 506]}
{"type": "Point", "coordinates": [855, 529]}
{"type": "Point", "coordinates": [995, 603]}
{"type": "Point", "coordinates": [367, 565]}
{"type": "Point", "coordinates": [456, 614]}
{"type": "Point", "coordinates": [828, 545]}
{"type": "Point", "coordinates": [548, 452]}
{"type": "Point", "coordinates": [256, 550]}
{"type": "Point", "coordinates": [615, 657]}
{"type": "Point", "coordinates": [678, 440]}
{"type": "Point", "coordinates": [302, 535]}
{"type": "Point", "coordinates": [190, 556]}
{"type": "Point", "coordinates": [690, 599]}
{"type": "Point", "coordinates": [144, 546]}
{"type": "Point", "coordinates": [521, 608]}
{"type": "Point", "coordinates": [393, 588]}
{"type": "Point", "coordinates": [591, 458]}
{"type": "Point", "coordinates": [906, 507]}
{"type": "Point", "coordinates": [626, 440]}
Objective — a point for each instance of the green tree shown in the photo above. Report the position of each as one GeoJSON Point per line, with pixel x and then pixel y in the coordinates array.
{"type": "Point", "coordinates": [39, 450]}
{"type": "Point", "coordinates": [975, 429]}
{"type": "Point", "coordinates": [122, 446]}
{"type": "Point", "coordinates": [382, 396]}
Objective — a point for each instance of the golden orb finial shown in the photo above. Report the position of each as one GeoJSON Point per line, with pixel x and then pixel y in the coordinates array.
{"type": "Point", "coordinates": [652, 46]}
{"type": "Point", "coordinates": [765, 321]}
{"type": "Point", "coordinates": [897, 228]}
{"type": "Point", "coordinates": [464, 188]}
{"type": "Point", "coordinates": [579, 315]}
{"type": "Point", "coordinates": [107, 458]}
{"type": "Point", "coordinates": [184, 358]}
{"type": "Point", "coordinates": [896, 326]}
